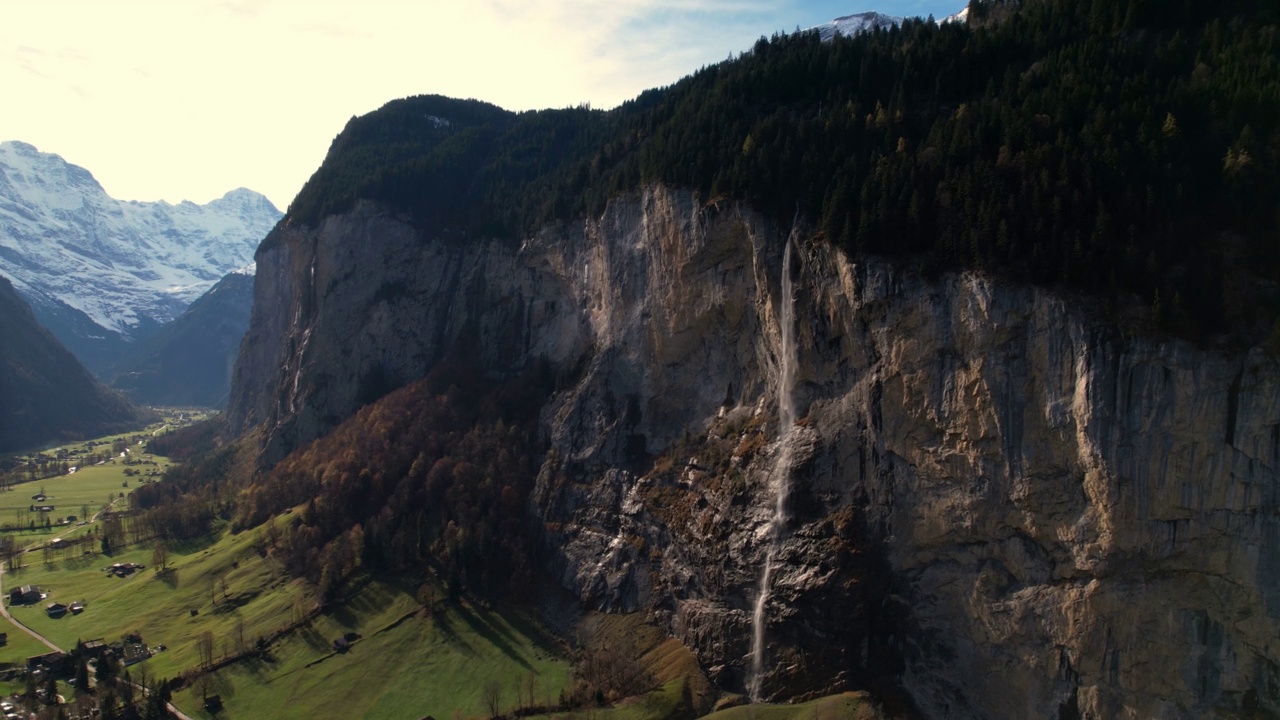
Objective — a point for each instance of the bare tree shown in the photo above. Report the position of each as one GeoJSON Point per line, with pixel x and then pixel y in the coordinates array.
{"type": "Point", "coordinates": [144, 679]}
{"type": "Point", "coordinates": [491, 697]}
{"type": "Point", "coordinates": [205, 645]}
{"type": "Point", "coordinates": [613, 669]}
{"type": "Point", "coordinates": [160, 557]}
{"type": "Point", "coordinates": [12, 552]}
{"type": "Point", "coordinates": [204, 684]}
{"type": "Point", "coordinates": [531, 688]}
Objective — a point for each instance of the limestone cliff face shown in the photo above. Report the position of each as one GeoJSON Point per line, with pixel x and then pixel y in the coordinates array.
{"type": "Point", "coordinates": [997, 501]}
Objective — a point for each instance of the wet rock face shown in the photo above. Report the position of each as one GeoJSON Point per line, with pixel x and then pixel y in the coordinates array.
{"type": "Point", "coordinates": [995, 500]}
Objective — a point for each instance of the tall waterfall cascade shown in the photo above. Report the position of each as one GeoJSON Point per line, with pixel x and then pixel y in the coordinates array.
{"type": "Point", "coordinates": [780, 477]}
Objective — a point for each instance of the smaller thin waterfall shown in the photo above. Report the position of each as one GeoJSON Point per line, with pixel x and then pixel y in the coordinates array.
{"type": "Point", "coordinates": [780, 478]}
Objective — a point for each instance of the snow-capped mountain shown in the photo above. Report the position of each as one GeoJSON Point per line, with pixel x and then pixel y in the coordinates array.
{"type": "Point", "coordinates": [101, 272]}
{"type": "Point", "coordinates": [851, 25]}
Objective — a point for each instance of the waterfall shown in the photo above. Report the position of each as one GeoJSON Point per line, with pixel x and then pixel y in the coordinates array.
{"type": "Point", "coordinates": [780, 478]}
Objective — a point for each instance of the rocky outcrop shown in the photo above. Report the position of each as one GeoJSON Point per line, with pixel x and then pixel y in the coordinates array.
{"type": "Point", "coordinates": [997, 501]}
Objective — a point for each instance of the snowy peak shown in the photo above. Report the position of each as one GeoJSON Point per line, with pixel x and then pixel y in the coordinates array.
{"type": "Point", "coordinates": [856, 24]}
{"type": "Point", "coordinates": [122, 266]}
{"type": "Point", "coordinates": [859, 23]}
{"type": "Point", "coordinates": [41, 178]}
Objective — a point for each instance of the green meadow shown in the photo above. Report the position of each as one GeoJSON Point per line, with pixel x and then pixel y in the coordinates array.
{"type": "Point", "coordinates": [405, 663]}
{"type": "Point", "coordinates": [403, 660]}
{"type": "Point", "coordinates": [93, 486]}
{"type": "Point", "coordinates": [845, 706]}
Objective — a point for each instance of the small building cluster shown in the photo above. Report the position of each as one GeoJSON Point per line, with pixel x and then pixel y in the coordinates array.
{"type": "Point", "coordinates": [55, 663]}
{"type": "Point", "coordinates": [129, 650]}
{"type": "Point", "coordinates": [124, 569]}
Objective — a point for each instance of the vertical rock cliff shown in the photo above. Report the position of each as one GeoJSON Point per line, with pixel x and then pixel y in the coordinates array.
{"type": "Point", "coordinates": [999, 502]}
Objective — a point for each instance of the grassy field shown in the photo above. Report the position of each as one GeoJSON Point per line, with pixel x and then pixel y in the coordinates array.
{"type": "Point", "coordinates": [405, 664]}
{"type": "Point", "coordinates": [20, 645]}
{"type": "Point", "coordinates": [226, 582]}
{"type": "Point", "coordinates": [89, 489]}
{"type": "Point", "coordinates": [845, 706]}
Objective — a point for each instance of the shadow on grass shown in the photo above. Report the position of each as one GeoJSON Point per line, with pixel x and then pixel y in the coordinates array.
{"type": "Point", "coordinates": [313, 638]}
{"type": "Point", "coordinates": [232, 603]}
{"type": "Point", "coordinates": [75, 563]}
{"type": "Point", "coordinates": [365, 598]}
{"type": "Point", "coordinates": [451, 636]}
{"type": "Point", "coordinates": [169, 577]}
{"type": "Point", "coordinates": [193, 545]}
{"type": "Point", "coordinates": [540, 636]}
{"type": "Point", "coordinates": [492, 632]}
{"type": "Point", "coordinates": [343, 616]}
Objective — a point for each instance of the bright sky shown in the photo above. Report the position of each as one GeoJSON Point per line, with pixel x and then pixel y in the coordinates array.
{"type": "Point", "coordinates": [187, 99]}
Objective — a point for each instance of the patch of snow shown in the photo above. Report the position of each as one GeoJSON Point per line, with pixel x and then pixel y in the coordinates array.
{"type": "Point", "coordinates": [858, 23]}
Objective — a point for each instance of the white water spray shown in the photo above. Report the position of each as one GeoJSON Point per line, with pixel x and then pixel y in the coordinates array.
{"type": "Point", "coordinates": [780, 478]}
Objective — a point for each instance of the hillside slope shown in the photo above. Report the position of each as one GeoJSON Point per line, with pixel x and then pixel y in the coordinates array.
{"type": "Point", "coordinates": [189, 361]}
{"type": "Point", "coordinates": [1033, 470]}
{"type": "Point", "coordinates": [46, 395]}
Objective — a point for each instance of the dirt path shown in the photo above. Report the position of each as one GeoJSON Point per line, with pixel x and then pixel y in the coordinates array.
{"type": "Point", "coordinates": [4, 610]}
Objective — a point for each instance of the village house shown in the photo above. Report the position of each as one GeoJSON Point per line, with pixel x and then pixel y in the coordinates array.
{"type": "Point", "coordinates": [57, 663]}
{"type": "Point", "coordinates": [123, 569]}
{"type": "Point", "coordinates": [56, 609]}
{"type": "Point", "coordinates": [93, 648]}
{"type": "Point", "coordinates": [135, 653]}
{"type": "Point", "coordinates": [25, 595]}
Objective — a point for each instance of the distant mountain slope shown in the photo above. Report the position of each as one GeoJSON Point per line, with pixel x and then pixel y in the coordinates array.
{"type": "Point", "coordinates": [46, 395]}
{"type": "Point", "coordinates": [189, 361]}
{"type": "Point", "coordinates": [100, 272]}
{"type": "Point", "coordinates": [857, 23]}
{"type": "Point", "coordinates": [850, 25]}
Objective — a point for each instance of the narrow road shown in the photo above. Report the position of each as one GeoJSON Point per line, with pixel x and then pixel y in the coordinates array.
{"type": "Point", "coordinates": [4, 610]}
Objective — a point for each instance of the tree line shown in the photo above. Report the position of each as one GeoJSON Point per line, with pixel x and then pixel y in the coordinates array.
{"type": "Point", "coordinates": [1126, 148]}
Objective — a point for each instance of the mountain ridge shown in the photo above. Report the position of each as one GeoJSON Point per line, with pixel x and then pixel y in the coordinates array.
{"type": "Point", "coordinates": [1004, 498]}
{"type": "Point", "coordinates": [188, 362]}
{"type": "Point", "coordinates": [101, 272]}
{"type": "Point", "coordinates": [48, 395]}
